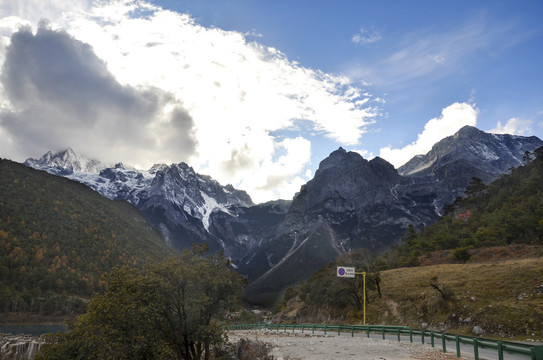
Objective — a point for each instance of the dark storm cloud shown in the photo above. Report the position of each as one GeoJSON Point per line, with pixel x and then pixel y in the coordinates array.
{"type": "Point", "coordinates": [180, 122]}
{"type": "Point", "coordinates": [62, 94]}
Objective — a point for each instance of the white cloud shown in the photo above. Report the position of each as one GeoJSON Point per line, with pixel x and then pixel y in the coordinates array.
{"type": "Point", "coordinates": [367, 36]}
{"type": "Point", "coordinates": [209, 97]}
{"type": "Point", "coordinates": [364, 153]}
{"type": "Point", "coordinates": [514, 126]}
{"type": "Point", "coordinates": [33, 11]}
{"type": "Point", "coordinates": [452, 118]}
{"type": "Point", "coordinates": [431, 54]}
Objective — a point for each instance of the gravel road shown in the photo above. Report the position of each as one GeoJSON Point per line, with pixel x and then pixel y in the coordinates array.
{"type": "Point", "coordinates": [320, 347]}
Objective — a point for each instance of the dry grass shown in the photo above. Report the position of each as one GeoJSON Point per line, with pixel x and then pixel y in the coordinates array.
{"type": "Point", "coordinates": [505, 298]}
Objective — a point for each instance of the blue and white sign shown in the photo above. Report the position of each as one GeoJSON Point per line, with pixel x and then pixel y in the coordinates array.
{"type": "Point", "coordinates": [346, 272]}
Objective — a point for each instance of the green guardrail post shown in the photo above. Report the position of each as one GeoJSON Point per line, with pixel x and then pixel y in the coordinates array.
{"type": "Point", "coordinates": [457, 339]}
{"type": "Point", "coordinates": [313, 329]}
{"type": "Point", "coordinates": [399, 339]}
{"type": "Point", "coordinates": [352, 331]}
{"type": "Point", "coordinates": [475, 349]}
{"type": "Point", "coordinates": [443, 341]}
{"type": "Point", "coordinates": [368, 331]}
{"type": "Point", "coordinates": [303, 325]}
{"type": "Point", "coordinates": [410, 335]}
{"type": "Point", "coordinates": [432, 338]}
{"type": "Point", "coordinates": [500, 350]}
{"type": "Point", "coordinates": [339, 330]}
{"type": "Point", "coordinates": [325, 326]}
{"type": "Point", "coordinates": [422, 336]}
{"type": "Point", "coordinates": [383, 333]}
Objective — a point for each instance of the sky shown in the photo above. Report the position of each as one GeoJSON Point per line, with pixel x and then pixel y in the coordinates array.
{"type": "Point", "coordinates": [257, 93]}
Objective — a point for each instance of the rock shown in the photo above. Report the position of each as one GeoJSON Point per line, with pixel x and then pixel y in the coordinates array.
{"type": "Point", "coordinates": [473, 298]}
{"type": "Point", "coordinates": [424, 325]}
{"type": "Point", "coordinates": [521, 296]}
{"type": "Point", "coordinates": [477, 330]}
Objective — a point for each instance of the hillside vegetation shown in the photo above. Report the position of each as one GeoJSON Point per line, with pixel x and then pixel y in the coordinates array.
{"type": "Point", "coordinates": [57, 237]}
{"type": "Point", "coordinates": [504, 298]}
{"type": "Point", "coordinates": [508, 211]}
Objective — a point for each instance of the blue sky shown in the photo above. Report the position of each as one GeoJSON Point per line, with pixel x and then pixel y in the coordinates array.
{"type": "Point", "coordinates": [257, 93]}
{"type": "Point", "coordinates": [486, 53]}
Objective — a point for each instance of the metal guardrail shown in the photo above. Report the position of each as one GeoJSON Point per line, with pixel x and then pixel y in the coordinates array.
{"type": "Point", "coordinates": [528, 351]}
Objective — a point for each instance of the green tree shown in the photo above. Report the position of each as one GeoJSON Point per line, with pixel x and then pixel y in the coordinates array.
{"type": "Point", "coordinates": [171, 311]}
{"type": "Point", "coordinates": [410, 238]}
{"type": "Point", "coordinates": [475, 187]}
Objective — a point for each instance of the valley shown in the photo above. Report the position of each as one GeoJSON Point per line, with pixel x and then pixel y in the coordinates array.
{"type": "Point", "coordinates": [361, 211]}
{"type": "Point", "coordinates": [351, 203]}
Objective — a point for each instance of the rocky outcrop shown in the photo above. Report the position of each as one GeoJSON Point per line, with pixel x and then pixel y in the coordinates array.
{"type": "Point", "coordinates": [355, 203]}
{"type": "Point", "coordinates": [350, 203]}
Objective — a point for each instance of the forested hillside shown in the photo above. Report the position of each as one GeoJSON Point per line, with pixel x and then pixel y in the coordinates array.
{"type": "Point", "coordinates": [57, 237]}
{"type": "Point", "coordinates": [507, 211]}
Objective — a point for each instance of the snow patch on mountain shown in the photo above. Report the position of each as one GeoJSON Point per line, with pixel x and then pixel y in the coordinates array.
{"type": "Point", "coordinates": [173, 187]}
{"type": "Point", "coordinates": [210, 205]}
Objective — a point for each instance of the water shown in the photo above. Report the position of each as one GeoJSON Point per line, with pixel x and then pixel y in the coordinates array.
{"type": "Point", "coordinates": [32, 329]}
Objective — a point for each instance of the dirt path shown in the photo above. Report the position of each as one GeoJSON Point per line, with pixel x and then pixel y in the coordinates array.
{"type": "Point", "coordinates": [319, 347]}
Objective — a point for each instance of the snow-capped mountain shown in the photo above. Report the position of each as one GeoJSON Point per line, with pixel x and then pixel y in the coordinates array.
{"type": "Point", "coordinates": [175, 199]}
{"type": "Point", "coordinates": [65, 162]}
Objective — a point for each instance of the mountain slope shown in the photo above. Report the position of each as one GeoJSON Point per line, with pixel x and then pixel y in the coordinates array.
{"type": "Point", "coordinates": [350, 203]}
{"type": "Point", "coordinates": [507, 211]}
{"type": "Point", "coordinates": [368, 204]}
{"type": "Point", "coordinates": [175, 199]}
{"type": "Point", "coordinates": [57, 237]}
{"type": "Point", "coordinates": [453, 161]}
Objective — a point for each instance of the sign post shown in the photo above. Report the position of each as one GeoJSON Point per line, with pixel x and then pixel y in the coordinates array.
{"type": "Point", "coordinates": [349, 272]}
{"type": "Point", "coordinates": [346, 272]}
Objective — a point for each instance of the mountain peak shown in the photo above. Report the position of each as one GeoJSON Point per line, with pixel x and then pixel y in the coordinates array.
{"type": "Point", "coordinates": [68, 153]}
{"type": "Point", "coordinates": [468, 132]}
{"type": "Point", "coordinates": [340, 159]}
{"type": "Point", "coordinates": [65, 162]}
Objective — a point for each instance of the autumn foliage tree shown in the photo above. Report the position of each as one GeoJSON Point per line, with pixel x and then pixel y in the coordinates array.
{"type": "Point", "coordinates": [171, 311]}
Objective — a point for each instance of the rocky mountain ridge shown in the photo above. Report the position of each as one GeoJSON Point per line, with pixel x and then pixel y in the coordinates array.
{"type": "Point", "coordinates": [355, 203]}
{"type": "Point", "coordinates": [350, 203]}
{"type": "Point", "coordinates": [175, 199]}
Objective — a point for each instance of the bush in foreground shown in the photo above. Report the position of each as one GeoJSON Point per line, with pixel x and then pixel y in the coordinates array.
{"type": "Point", "coordinates": [171, 311]}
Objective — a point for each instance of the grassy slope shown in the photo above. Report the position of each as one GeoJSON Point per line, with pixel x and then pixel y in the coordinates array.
{"type": "Point", "coordinates": [501, 297]}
